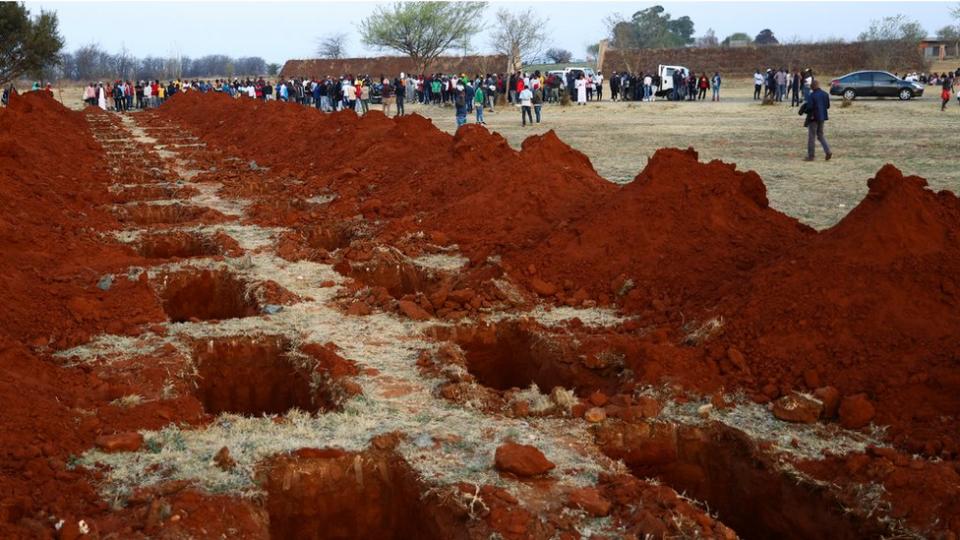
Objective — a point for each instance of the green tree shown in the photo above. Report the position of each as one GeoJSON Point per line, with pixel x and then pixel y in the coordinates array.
{"type": "Point", "coordinates": [766, 37]}
{"type": "Point", "coordinates": [736, 37]}
{"type": "Point", "coordinates": [27, 44]}
{"type": "Point", "coordinates": [272, 69]}
{"type": "Point", "coordinates": [422, 30]}
{"type": "Point", "coordinates": [650, 28]}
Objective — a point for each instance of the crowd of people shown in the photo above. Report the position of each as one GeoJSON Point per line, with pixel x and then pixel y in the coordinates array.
{"type": "Point", "coordinates": [779, 84]}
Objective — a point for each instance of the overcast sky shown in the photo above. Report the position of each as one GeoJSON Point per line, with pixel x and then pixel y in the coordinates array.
{"type": "Point", "coordinates": [278, 31]}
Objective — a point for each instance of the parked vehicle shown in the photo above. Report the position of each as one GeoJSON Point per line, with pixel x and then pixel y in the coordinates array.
{"type": "Point", "coordinates": [874, 84]}
{"type": "Point", "coordinates": [375, 93]}
{"type": "Point", "coordinates": [666, 79]}
{"type": "Point", "coordinates": [577, 71]}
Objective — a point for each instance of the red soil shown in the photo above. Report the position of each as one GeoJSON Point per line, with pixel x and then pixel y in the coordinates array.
{"type": "Point", "coordinates": [54, 181]}
{"type": "Point", "coordinates": [869, 306]}
{"type": "Point", "coordinates": [863, 306]}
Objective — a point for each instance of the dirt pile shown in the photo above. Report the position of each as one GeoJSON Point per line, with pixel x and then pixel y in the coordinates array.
{"type": "Point", "coordinates": [405, 171]}
{"type": "Point", "coordinates": [871, 305]}
{"type": "Point", "coordinates": [691, 250]}
{"type": "Point", "coordinates": [51, 207]}
{"type": "Point", "coordinates": [60, 282]}
{"type": "Point", "coordinates": [681, 233]}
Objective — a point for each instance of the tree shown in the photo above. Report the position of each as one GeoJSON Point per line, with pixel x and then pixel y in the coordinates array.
{"type": "Point", "coordinates": [518, 36]}
{"type": "Point", "coordinates": [650, 28]}
{"type": "Point", "coordinates": [558, 55]}
{"type": "Point", "coordinates": [421, 30]}
{"type": "Point", "coordinates": [948, 33]}
{"type": "Point", "coordinates": [272, 69]}
{"type": "Point", "coordinates": [735, 37]}
{"type": "Point", "coordinates": [709, 39]}
{"type": "Point", "coordinates": [27, 44]}
{"type": "Point", "coordinates": [881, 32]}
{"type": "Point", "coordinates": [766, 37]}
{"type": "Point", "coordinates": [593, 51]}
{"type": "Point", "coordinates": [332, 46]}
{"type": "Point", "coordinates": [895, 28]}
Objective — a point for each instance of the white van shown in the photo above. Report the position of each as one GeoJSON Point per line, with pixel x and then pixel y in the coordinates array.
{"type": "Point", "coordinates": [666, 78]}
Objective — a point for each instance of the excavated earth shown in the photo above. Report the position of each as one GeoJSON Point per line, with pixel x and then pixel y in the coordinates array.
{"type": "Point", "coordinates": [227, 318]}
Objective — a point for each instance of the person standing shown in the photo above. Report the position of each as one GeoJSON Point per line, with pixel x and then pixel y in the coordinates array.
{"type": "Point", "coordinates": [365, 97]}
{"type": "Point", "coordinates": [386, 96]}
{"type": "Point", "coordinates": [581, 86]}
{"type": "Point", "coordinates": [703, 83]}
{"type": "Point", "coordinates": [795, 88]}
{"type": "Point", "coordinates": [526, 105]}
{"type": "Point", "coordinates": [597, 86]}
{"type": "Point", "coordinates": [806, 83]}
{"type": "Point", "coordinates": [816, 109]}
{"type": "Point", "coordinates": [780, 79]}
{"type": "Point", "coordinates": [479, 100]}
{"type": "Point", "coordinates": [460, 105]}
{"type": "Point", "coordinates": [538, 102]}
{"type": "Point", "coordinates": [757, 84]}
{"type": "Point", "coordinates": [400, 90]}
{"type": "Point", "coordinates": [715, 83]}
{"type": "Point", "coordinates": [945, 93]}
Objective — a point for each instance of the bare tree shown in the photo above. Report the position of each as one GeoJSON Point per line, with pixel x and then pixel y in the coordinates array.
{"type": "Point", "coordinates": [332, 46]}
{"type": "Point", "coordinates": [518, 36]}
{"type": "Point", "coordinates": [558, 55]}
{"type": "Point", "coordinates": [123, 63]}
{"type": "Point", "coordinates": [709, 39]}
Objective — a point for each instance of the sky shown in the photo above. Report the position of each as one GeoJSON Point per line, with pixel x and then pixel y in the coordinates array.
{"type": "Point", "coordinates": [278, 31]}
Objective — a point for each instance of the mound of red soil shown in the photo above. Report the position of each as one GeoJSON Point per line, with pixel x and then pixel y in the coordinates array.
{"type": "Point", "coordinates": [405, 171]}
{"type": "Point", "coordinates": [871, 305]}
{"type": "Point", "coordinates": [51, 206]}
{"type": "Point", "coordinates": [683, 232]}
{"type": "Point", "coordinates": [52, 184]}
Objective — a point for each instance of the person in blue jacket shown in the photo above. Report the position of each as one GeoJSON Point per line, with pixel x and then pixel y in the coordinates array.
{"type": "Point", "coordinates": [816, 109]}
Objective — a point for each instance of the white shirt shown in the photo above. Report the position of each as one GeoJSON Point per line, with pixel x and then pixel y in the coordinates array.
{"type": "Point", "coordinates": [648, 80]}
{"type": "Point", "coordinates": [758, 78]}
{"type": "Point", "coordinates": [526, 97]}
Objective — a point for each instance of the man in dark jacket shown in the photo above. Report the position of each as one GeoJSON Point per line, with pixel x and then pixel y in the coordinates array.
{"type": "Point", "coordinates": [816, 109]}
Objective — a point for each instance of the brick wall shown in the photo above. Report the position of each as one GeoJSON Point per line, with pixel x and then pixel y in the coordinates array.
{"type": "Point", "coordinates": [829, 59]}
{"type": "Point", "coordinates": [391, 66]}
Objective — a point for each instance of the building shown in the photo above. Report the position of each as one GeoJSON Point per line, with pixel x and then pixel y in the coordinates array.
{"type": "Point", "coordinates": [939, 49]}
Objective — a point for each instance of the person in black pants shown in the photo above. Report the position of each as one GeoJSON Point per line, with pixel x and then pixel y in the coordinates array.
{"type": "Point", "coordinates": [795, 89]}
{"type": "Point", "coordinates": [401, 92]}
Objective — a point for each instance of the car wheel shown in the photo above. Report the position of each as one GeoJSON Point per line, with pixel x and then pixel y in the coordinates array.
{"type": "Point", "coordinates": [849, 94]}
{"type": "Point", "coordinates": [905, 94]}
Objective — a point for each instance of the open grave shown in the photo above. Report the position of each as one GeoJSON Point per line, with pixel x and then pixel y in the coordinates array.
{"type": "Point", "coordinates": [203, 294]}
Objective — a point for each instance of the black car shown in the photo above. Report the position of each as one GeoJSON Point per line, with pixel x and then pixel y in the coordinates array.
{"type": "Point", "coordinates": [874, 84]}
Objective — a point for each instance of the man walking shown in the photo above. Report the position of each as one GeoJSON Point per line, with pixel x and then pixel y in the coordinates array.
{"type": "Point", "coordinates": [816, 108]}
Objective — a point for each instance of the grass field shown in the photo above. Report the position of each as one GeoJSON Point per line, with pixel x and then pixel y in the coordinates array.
{"type": "Point", "coordinates": [619, 137]}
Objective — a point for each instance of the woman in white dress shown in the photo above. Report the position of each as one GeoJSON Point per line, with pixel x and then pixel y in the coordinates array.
{"type": "Point", "coordinates": [581, 86]}
{"type": "Point", "coordinates": [101, 97]}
